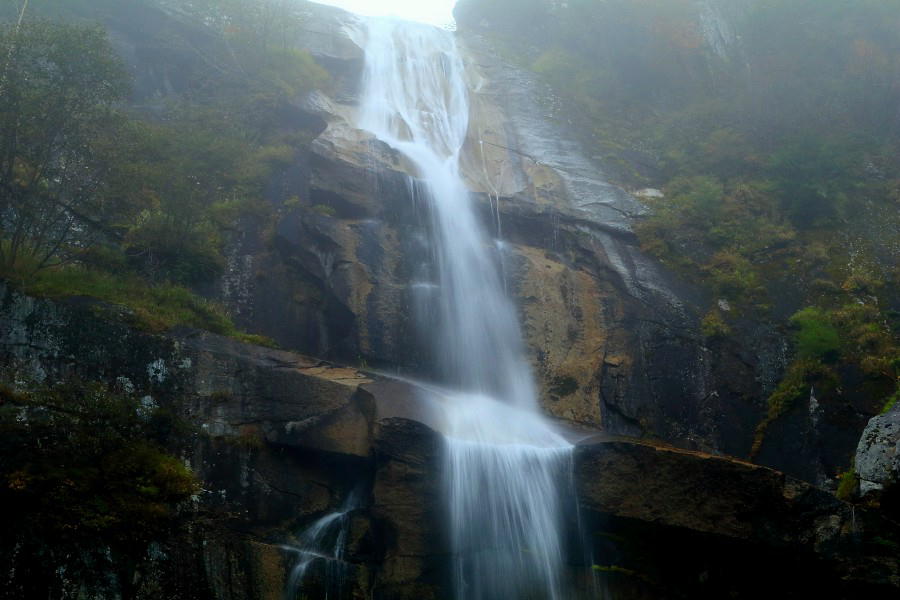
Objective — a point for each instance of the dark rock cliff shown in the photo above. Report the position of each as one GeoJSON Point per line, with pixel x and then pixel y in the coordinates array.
{"type": "Point", "coordinates": [614, 339]}
{"type": "Point", "coordinates": [707, 393]}
{"type": "Point", "coordinates": [282, 438]}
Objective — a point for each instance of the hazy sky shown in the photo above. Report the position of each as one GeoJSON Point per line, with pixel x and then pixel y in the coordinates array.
{"type": "Point", "coordinates": [436, 12]}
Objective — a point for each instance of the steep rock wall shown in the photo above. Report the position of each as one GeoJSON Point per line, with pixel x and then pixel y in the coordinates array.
{"type": "Point", "coordinates": [281, 439]}
{"type": "Point", "coordinates": [614, 339]}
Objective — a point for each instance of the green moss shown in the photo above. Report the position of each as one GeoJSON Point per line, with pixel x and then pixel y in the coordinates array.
{"type": "Point", "coordinates": [155, 307]}
{"type": "Point", "coordinates": [801, 376]}
{"type": "Point", "coordinates": [795, 386]}
{"type": "Point", "coordinates": [851, 348]}
{"type": "Point", "coordinates": [891, 402]}
{"type": "Point", "coordinates": [618, 571]}
{"type": "Point", "coordinates": [324, 210]}
{"type": "Point", "coordinates": [257, 340]}
{"type": "Point", "coordinates": [817, 338]}
{"type": "Point", "coordinates": [848, 485]}
{"type": "Point", "coordinates": [714, 326]}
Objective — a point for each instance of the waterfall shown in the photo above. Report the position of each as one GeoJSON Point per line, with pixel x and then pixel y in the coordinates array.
{"type": "Point", "coordinates": [507, 471]}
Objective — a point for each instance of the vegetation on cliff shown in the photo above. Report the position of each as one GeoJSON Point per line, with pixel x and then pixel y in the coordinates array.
{"type": "Point", "coordinates": [87, 483]}
{"type": "Point", "coordinates": [112, 192]}
{"type": "Point", "coordinates": [772, 128]}
{"type": "Point", "coordinates": [105, 198]}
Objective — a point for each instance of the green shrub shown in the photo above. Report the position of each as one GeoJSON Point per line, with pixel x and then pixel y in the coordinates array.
{"type": "Point", "coordinates": [732, 276]}
{"type": "Point", "coordinates": [166, 251]}
{"type": "Point", "coordinates": [86, 480]}
{"type": "Point", "coordinates": [60, 85]}
{"type": "Point", "coordinates": [698, 197]}
{"type": "Point", "coordinates": [817, 338]}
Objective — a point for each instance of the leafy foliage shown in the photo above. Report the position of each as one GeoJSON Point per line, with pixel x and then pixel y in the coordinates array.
{"type": "Point", "coordinates": [85, 479]}
{"type": "Point", "coordinates": [59, 84]}
{"type": "Point", "coordinates": [840, 351]}
{"type": "Point", "coordinates": [207, 160]}
{"type": "Point", "coordinates": [143, 202]}
{"type": "Point", "coordinates": [817, 338]}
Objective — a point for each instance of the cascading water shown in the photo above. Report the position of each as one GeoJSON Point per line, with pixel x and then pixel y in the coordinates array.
{"type": "Point", "coordinates": [323, 543]}
{"type": "Point", "coordinates": [507, 471]}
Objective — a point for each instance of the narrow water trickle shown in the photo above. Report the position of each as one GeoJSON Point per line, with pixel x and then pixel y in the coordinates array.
{"type": "Point", "coordinates": [322, 544]}
{"type": "Point", "coordinates": [507, 471]}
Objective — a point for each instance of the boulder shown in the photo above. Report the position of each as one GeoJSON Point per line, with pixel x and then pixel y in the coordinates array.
{"type": "Point", "coordinates": [878, 453]}
{"type": "Point", "coordinates": [663, 519]}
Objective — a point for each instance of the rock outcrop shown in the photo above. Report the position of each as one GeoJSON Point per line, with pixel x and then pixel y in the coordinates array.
{"type": "Point", "coordinates": [878, 454]}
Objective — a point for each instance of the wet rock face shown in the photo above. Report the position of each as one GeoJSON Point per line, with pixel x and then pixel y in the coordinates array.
{"type": "Point", "coordinates": [878, 455]}
{"type": "Point", "coordinates": [281, 439]}
{"type": "Point", "coordinates": [273, 439]}
{"type": "Point", "coordinates": [611, 473]}
{"type": "Point", "coordinates": [276, 440]}
{"type": "Point", "coordinates": [614, 339]}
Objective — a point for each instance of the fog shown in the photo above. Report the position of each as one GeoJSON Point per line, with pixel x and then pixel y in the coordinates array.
{"type": "Point", "coordinates": [435, 12]}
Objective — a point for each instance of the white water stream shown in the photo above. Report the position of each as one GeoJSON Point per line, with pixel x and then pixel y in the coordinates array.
{"type": "Point", "coordinates": [323, 542]}
{"type": "Point", "coordinates": [507, 470]}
